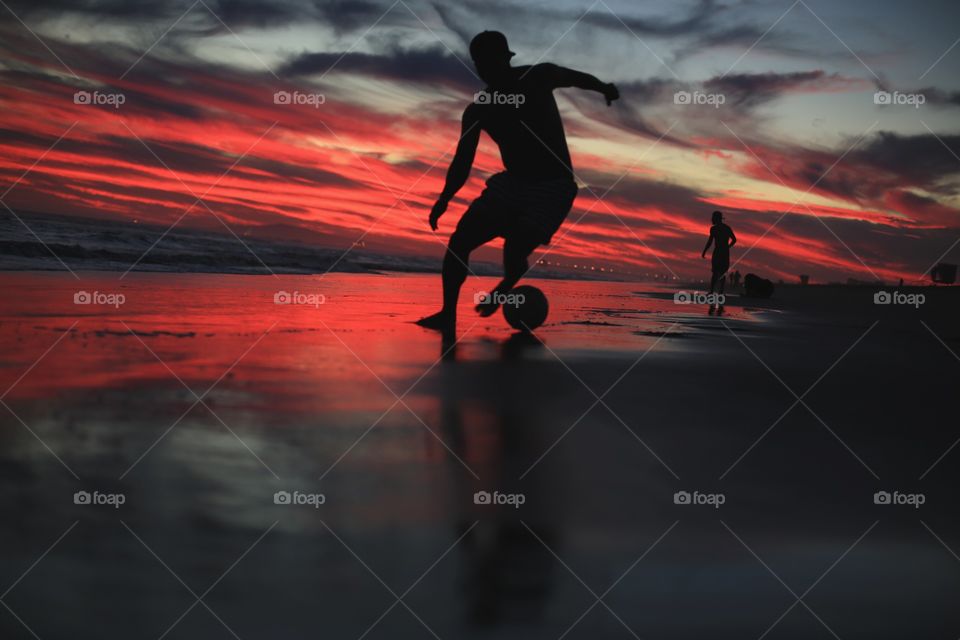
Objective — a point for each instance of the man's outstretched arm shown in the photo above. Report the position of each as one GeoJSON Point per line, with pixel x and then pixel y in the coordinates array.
{"type": "Point", "coordinates": [563, 77]}
{"type": "Point", "coordinates": [460, 166]}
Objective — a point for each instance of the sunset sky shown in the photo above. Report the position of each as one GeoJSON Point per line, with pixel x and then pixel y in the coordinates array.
{"type": "Point", "coordinates": [813, 175]}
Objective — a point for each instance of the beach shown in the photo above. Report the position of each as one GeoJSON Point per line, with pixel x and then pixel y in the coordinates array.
{"type": "Point", "coordinates": [213, 455]}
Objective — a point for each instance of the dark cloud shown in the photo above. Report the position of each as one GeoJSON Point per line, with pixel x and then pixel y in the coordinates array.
{"type": "Point", "coordinates": [923, 160]}
{"type": "Point", "coordinates": [427, 66]}
{"type": "Point", "coordinates": [700, 19]}
{"type": "Point", "coordinates": [236, 13]}
{"type": "Point", "coordinates": [877, 173]}
{"type": "Point", "coordinates": [647, 106]}
{"type": "Point", "coordinates": [751, 90]}
{"type": "Point", "coordinates": [102, 8]}
{"type": "Point", "coordinates": [641, 191]}
{"type": "Point", "coordinates": [703, 25]}
{"type": "Point", "coordinates": [347, 15]}
{"type": "Point", "coordinates": [191, 160]}
{"type": "Point", "coordinates": [278, 170]}
{"type": "Point", "coordinates": [942, 98]}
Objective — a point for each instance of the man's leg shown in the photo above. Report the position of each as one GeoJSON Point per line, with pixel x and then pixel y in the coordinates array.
{"type": "Point", "coordinates": [717, 280]}
{"type": "Point", "coordinates": [456, 267]}
{"type": "Point", "coordinates": [475, 229]}
{"type": "Point", "coordinates": [723, 281]}
{"type": "Point", "coordinates": [516, 249]}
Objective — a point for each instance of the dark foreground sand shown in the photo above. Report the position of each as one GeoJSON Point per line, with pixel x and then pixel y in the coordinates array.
{"type": "Point", "coordinates": [349, 400]}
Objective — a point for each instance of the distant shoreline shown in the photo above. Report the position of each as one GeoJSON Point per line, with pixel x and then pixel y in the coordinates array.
{"type": "Point", "coordinates": [91, 244]}
{"type": "Point", "coordinates": [116, 246]}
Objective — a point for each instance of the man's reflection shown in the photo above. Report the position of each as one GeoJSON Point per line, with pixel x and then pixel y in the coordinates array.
{"type": "Point", "coordinates": [486, 415]}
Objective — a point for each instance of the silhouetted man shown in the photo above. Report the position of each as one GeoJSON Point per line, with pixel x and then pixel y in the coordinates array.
{"type": "Point", "coordinates": [526, 203]}
{"type": "Point", "coordinates": [722, 238]}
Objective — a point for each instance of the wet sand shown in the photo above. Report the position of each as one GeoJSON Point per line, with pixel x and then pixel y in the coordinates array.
{"type": "Point", "coordinates": [623, 400]}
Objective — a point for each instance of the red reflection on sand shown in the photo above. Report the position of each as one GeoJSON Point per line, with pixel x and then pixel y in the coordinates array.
{"type": "Point", "coordinates": [339, 332]}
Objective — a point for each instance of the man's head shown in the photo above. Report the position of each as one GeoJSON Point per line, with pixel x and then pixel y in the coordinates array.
{"type": "Point", "coordinates": [717, 217]}
{"type": "Point", "coordinates": [491, 55]}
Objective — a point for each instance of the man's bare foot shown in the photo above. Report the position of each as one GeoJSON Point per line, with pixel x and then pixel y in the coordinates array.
{"type": "Point", "coordinates": [487, 309]}
{"type": "Point", "coordinates": [440, 321]}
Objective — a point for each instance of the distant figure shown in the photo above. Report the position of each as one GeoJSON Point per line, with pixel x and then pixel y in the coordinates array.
{"type": "Point", "coordinates": [526, 203]}
{"type": "Point", "coordinates": [735, 278]}
{"type": "Point", "coordinates": [722, 238]}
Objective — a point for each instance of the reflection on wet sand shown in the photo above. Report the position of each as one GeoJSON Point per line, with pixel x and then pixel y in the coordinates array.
{"type": "Point", "coordinates": [622, 399]}
{"type": "Point", "coordinates": [507, 567]}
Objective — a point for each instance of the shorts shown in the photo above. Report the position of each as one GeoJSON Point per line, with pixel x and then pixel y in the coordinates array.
{"type": "Point", "coordinates": [533, 209]}
{"type": "Point", "coordinates": [720, 264]}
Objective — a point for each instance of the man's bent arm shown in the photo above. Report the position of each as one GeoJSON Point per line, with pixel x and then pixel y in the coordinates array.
{"type": "Point", "coordinates": [462, 161]}
{"type": "Point", "coordinates": [460, 166]}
